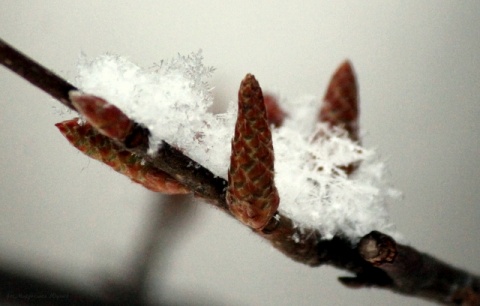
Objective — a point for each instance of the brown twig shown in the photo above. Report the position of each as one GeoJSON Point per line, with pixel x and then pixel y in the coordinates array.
{"type": "Point", "coordinates": [36, 74]}
{"type": "Point", "coordinates": [419, 274]}
{"type": "Point", "coordinates": [376, 261]}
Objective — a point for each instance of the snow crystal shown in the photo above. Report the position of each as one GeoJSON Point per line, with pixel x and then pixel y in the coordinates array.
{"type": "Point", "coordinates": [172, 100]}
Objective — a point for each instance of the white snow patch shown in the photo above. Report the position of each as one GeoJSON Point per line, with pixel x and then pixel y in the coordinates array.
{"type": "Point", "coordinates": [172, 100]}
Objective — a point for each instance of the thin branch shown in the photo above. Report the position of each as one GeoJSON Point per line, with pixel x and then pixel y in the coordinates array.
{"type": "Point", "coordinates": [419, 274]}
{"type": "Point", "coordinates": [197, 178]}
{"type": "Point", "coordinates": [36, 74]}
{"type": "Point", "coordinates": [376, 261]}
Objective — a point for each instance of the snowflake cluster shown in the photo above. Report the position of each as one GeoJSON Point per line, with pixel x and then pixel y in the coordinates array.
{"type": "Point", "coordinates": [172, 100]}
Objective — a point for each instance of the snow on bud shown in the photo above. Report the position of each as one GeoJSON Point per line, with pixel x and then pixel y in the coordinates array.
{"type": "Point", "coordinates": [340, 104]}
{"type": "Point", "coordinates": [312, 173]}
{"type": "Point", "coordinates": [340, 107]}
{"type": "Point", "coordinates": [108, 119]}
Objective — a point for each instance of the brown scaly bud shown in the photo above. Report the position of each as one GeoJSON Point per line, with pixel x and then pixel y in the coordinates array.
{"type": "Point", "coordinates": [275, 114]}
{"type": "Point", "coordinates": [340, 104]}
{"type": "Point", "coordinates": [251, 194]}
{"type": "Point", "coordinates": [106, 118]}
{"type": "Point", "coordinates": [86, 139]}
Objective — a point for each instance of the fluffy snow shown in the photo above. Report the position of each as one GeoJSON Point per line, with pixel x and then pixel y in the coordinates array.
{"type": "Point", "coordinates": [172, 100]}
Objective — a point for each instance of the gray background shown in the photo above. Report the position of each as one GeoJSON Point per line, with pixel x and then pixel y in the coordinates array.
{"type": "Point", "coordinates": [418, 66]}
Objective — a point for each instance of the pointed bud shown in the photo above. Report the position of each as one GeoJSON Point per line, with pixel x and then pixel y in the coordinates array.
{"type": "Point", "coordinates": [275, 113]}
{"type": "Point", "coordinates": [106, 118]}
{"type": "Point", "coordinates": [85, 138]}
{"type": "Point", "coordinates": [340, 105]}
{"type": "Point", "coordinates": [251, 194]}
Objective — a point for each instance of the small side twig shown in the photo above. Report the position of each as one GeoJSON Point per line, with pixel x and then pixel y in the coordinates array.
{"type": "Point", "coordinates": [419, 274]}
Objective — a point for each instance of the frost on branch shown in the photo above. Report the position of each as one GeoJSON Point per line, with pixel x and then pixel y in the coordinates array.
{"type": "Point", "coordinates": [172, 100]}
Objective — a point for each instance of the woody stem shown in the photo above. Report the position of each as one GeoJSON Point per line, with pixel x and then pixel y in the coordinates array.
{"type": "Point", "coordinates": [35, 73]}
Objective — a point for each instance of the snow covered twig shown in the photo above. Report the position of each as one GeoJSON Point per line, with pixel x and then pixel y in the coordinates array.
{"type": "Point", "coordinates": [132, 147]}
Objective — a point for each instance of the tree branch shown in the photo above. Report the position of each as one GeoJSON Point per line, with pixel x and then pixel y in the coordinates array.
{"type": "Point", "coordinates": [376, 261]}
{"type": "Point", "coordinates": [419, 274]}
{"type": "Point", "coordinates": [36, 74]}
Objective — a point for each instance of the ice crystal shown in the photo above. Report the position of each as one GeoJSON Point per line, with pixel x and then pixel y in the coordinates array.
{"type": "Point", "coordinates": [172, 99]}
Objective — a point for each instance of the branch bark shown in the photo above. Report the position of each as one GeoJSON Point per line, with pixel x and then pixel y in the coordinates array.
{"type": "Point", "coordinates": [377, 260]}
{"type": "Point", "coordinates": [36, 74]}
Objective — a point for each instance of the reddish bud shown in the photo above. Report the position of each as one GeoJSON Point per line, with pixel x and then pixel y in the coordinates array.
{"type": "Point", "coordinates": [275, 113]}
{"type": "Point", "coordinates": [340, 104]}
{"type": "Point", "coordinates": [85, 138]}
{"type": "Point", "coordinates": [251, 194]}
{"type": "Point", "coordinates": [108, 119]}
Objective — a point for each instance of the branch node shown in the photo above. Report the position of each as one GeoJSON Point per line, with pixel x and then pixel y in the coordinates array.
{"type": "Point", "coordinates": [377, 248]}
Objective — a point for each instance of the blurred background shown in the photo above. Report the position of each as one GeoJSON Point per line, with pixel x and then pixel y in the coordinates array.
{"type": "Point", "coordinates": [74, 221]}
